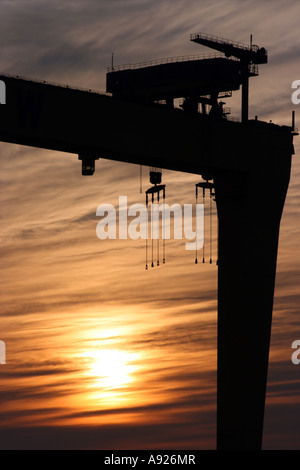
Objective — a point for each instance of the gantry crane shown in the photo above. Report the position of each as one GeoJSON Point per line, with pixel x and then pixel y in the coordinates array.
{"type": "Point", "coordinates": [248, 161]}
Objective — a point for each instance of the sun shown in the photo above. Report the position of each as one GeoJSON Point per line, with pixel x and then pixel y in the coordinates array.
{"type": "Point", "coordinates": [111, 368]}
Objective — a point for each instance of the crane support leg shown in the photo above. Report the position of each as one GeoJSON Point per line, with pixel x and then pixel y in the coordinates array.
{"type": "Point", "coordinates": [249, 210]}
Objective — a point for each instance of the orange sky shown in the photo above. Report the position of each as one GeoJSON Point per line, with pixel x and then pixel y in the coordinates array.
{"type": "Point", "coordinates": [101, 353]}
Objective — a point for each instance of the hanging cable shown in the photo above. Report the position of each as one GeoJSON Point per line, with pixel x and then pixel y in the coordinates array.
{"type": "Point", "coordinates": [203, 200]}
{"type": "Point", "coordinates": [147, 233]}
{"type": "Point", "coordinates": [158, 231]}
{"type": "Point", "coordinates": [196, 254]}
{"type": "Point", "coordinates": [210, 228]}
{"type": "Point", "coordinates": [217, 230]}
{"type": "Point", "coordinates": [155, 179]}
{"type": "Point", "coordinates": [141, 179]}
{"type": "Point", "coordinates": [213, 198]}
{"type": "Point", "coordinates": [164, 228]}
{"type": "Point", "coordinates": [152, 264]}
{"type": "Point", "coordinates": [206, 186]}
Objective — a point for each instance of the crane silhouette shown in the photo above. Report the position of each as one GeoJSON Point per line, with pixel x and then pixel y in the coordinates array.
{"type": "Point", "coordinates": [136, 122]}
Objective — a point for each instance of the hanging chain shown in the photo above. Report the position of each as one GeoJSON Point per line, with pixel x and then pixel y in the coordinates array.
{"type": "Point", "coordinates": [203, 199]}
{"type": "Point", "coordinates": [155, 179]}
{"type": "Point", "coordinates": [204, 186]}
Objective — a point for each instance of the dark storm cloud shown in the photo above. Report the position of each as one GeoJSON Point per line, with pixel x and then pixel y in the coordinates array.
{"type": "Point", "coordinates": [76, 38]}
{"type": "Point", "coordinates": [129, 436]}
{"type": "Point", "coordinates": [47, 38]}
{"type": "Point", "coordinates": [185, 407]}
{"type": "Point", "coordinates": [37, 370]}
{"type": "Point", "coordinates": [193, 336]}
{"type": "Point", "coordinates": [283, 416]}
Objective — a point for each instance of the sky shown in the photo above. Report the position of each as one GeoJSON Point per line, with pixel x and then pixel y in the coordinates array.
{"type": "Point", "coordinates": [100, 353]}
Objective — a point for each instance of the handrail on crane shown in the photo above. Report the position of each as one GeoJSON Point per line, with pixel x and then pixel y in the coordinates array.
{"type": "Point", "coordinates": [250, 54]}
{"type": "Point", "coordinates": [219, 40]}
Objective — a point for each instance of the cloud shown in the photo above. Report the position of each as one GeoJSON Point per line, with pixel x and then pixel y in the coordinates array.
{"type": "Point", "coordinates": [107, 437]}
{"type": "Point", "coordinates": [61, 286]}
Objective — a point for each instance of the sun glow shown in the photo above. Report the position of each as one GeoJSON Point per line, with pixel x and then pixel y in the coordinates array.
{"type": "Point", "coordinates": [111, 368]}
